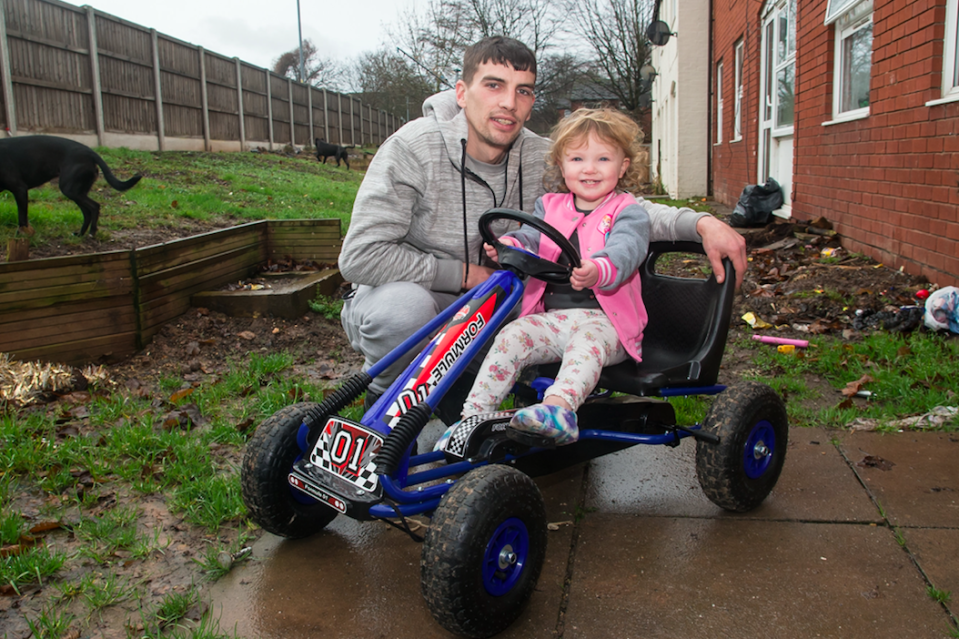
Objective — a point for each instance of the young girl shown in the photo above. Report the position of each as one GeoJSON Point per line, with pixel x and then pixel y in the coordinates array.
{"type": "Point", "coordinates": [598, 319]}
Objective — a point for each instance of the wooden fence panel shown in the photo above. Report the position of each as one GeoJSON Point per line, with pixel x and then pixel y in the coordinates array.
{"type": "Point", "coordinates": [280, 101]}
{"type": "Point", "coordinates": [48, 50]}
{"type": "Point", "coordinates": [319, 114]}
{"type": "Point", "coordinates": [125, 57]}
{"type": "Point", "coordinates": [222, 97]}
{"type": "Point", "coordinates": [301, 114]}
{"type": "Point", "coordinates": [180, 88]}
{"type": "Point", "coordinates": [255, 123]}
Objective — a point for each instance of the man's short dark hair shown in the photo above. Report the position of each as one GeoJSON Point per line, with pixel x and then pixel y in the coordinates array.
{"type": "Point", "coordinates": [501, 50]}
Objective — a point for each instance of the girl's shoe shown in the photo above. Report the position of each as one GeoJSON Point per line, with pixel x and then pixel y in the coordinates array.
{"type": "Point", "coordinates": [544, 426]}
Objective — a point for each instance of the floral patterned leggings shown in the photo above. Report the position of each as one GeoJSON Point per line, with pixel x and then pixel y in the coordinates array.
{"type": "Point", "coordinates": [583, 339]}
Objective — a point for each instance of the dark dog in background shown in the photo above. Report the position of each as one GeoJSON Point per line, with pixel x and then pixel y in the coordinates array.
{"type": "Point", "coordinates": [31, 161]}
{"type": "Point", "coordinates": [326, 150]}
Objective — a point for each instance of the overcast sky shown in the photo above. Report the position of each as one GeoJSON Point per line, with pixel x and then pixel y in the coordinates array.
{"type": "Point", "coordinates": [258, 31]}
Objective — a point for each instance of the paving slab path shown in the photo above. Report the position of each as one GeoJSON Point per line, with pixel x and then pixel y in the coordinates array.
{"type": "Point", "coordinates": [858, 530]}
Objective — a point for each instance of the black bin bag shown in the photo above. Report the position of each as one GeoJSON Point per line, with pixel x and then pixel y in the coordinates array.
{"type": "Point", "coordinates": [756, 204]}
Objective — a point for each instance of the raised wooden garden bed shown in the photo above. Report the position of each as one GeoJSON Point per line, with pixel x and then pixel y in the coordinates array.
{"type": "Point", "coordinates": [106, 306]}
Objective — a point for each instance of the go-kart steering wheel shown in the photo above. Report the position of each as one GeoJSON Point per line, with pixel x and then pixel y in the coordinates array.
{"type": "Point", "coordinates": [523, 261]}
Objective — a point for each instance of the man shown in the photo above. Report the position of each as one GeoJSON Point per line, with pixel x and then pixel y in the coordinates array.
{"type": "Point", "coordinates": [413, 245]}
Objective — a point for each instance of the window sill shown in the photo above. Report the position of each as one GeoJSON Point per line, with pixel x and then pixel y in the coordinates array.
{"type": "Point", "coordinates": [953, 97]}
{"type": "Point", "coordinates": [739, 139]}
{"type": "Point", "coordinates": [848, 117]}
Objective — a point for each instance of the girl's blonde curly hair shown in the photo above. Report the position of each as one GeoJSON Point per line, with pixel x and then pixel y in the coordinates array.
{"type": "Point", "coordinates": [612, 127]}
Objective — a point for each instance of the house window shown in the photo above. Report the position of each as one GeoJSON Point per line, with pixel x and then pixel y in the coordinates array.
{"type": "Point", "coordinates": [950, 60]}
{"type": "Point", "coordinates": [853, 67]}
{"type": "Point", "coordinates": [719, 103]}
{"type": "Point", "coordinates": [738, 121]}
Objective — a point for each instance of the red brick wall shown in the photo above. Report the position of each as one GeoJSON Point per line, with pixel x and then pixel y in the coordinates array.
{"type": "Point", "coordinates": [889, 182]}
{"type": "Point", "coordinates": [734, 163]}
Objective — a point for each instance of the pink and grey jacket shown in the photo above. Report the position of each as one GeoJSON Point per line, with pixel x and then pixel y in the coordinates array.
{"type": "Point", "coordinates": [615, 236]}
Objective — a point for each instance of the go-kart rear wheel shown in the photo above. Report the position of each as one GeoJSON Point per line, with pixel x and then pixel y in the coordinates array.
{"type": "Point", "coordinates": [484, 551]}
{"type": "Point", "coordinates": [738, 473]}
{"type": "Point", "coordinates": [271, 501]}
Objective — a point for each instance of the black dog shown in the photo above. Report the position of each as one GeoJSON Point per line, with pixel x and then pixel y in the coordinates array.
{"type": "Point", "coordinates": [33, 160]}
{"type": "Point", "coordinates": [326, 150]}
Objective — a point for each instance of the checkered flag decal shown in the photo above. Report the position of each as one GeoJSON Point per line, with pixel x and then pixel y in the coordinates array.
{"type": "Point", "coordinates": [463, 431]}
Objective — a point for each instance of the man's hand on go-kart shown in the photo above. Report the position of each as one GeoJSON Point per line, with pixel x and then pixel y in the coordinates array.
{"type": "Point", "coordinates": [584, 276]}
{"type": "Point", "coordinates": [719, 241]}
{"type": "Point", "coordinates": [476, 275]}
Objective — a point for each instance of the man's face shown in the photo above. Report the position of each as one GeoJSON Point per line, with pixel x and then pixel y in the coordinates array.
{"type": "Point", "coordinates": [498, 102]}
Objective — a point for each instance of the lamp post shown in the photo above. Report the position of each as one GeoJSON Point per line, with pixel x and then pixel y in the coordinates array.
{"type": "Point", "coordinates": [299, 27]}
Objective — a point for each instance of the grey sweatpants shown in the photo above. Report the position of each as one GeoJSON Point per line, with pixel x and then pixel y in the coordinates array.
{"type": "Point", "coordinates": [378, 318]}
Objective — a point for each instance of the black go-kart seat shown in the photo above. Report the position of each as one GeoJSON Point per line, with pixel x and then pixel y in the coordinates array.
{"type": "Point", "coordinates": [685, 338]}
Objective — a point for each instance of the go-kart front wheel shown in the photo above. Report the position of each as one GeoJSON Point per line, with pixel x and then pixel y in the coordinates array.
{"type": "Point", "coordinates": [738, 473]}
{"type": "Point", "coordinates": [484, 551]}
{"type": "Point", "coordinates": [267, 461]}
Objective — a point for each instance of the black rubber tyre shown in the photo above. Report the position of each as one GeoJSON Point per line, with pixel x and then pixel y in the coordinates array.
{"type": "Point", "coordinates": [268, 496]}
{"type": "Point", "coordinates": [484, 551]}
{"type": "Point", "coordinates": [738, 473]}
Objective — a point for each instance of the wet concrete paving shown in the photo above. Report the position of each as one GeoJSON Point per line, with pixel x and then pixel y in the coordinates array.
{"type": "Point", "coordinates": [845, 546]}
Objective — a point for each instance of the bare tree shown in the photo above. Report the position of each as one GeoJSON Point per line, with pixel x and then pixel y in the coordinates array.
{"type": "Point", "coordinates": [436, 37]}
{"type": "Point", "coordinates": [533, 22]}
{"type": "Point", "coordinates": [320, 71]}
{"type": "Point", "coordinates": [387, 80]}
{"type": "Point", "coordinates": [616, 32]}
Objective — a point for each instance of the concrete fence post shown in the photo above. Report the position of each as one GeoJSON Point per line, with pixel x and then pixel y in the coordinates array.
{"type": "Point", "coordinates": [239, 103]}
{"type": "Point", "coordinates": [203, 102]}
{"type": "Point", "coordinates": [269, 105]}
{"type": "Point", "coordinates": [9, 102]}
{"type": "Point", "coordinates": [289, 90]}
{"type": "Point", "coordinates": [95, 72]}
{"type": "Point", "coordinates": [158, 91]}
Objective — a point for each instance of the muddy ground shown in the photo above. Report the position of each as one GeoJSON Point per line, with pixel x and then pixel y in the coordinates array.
{"type": "Point", "coordinates": [788, 285]}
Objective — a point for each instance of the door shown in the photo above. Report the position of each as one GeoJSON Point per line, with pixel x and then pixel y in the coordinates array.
{"type": "Point", "coordinates": [777, 97]}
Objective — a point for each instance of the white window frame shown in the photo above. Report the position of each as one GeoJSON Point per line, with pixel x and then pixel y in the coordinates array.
{"type": "Point", "coordinates": [719, 102]}
{"type": "Point", "coordinates": [738, 87]}
{"type": "Point", "coordinates": [847, 24]}
{"type": "Point", "coordinates": [950, 58]}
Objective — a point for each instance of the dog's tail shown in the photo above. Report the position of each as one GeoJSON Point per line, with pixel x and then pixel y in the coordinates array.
{"type": "Point", "coordinates": [112, 179]}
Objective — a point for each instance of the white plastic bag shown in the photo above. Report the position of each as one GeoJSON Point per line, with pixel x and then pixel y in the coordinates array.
{"type": "Point", "coordinates": [942, 310]}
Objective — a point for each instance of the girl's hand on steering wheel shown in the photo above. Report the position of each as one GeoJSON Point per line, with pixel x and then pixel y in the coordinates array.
{"type": "Point", "coordinates": [491, 252]}
{"type": "Point", "coordinates": [585, 276]}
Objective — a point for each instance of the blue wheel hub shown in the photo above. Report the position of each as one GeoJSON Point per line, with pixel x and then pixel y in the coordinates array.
{"type": "Point", "coordinates": [759, 450]}
{"type": "Point", "coordinates": [505, 557]}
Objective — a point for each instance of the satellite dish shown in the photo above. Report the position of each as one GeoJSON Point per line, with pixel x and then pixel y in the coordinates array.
{"type": "Point", "coordinates": [658, 32]}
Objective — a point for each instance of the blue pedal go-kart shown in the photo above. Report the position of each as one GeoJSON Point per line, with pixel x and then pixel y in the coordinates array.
{"type": "Point", "coordinates": [486, 542]}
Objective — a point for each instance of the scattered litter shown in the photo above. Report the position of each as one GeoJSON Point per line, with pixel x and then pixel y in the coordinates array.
{"type": "Point", "coordinates": [766, 339]}
{"type": "Point", "coordinates": [942, 310]}
{"type": "Point", "coordinates": [829, 251]}
{"type": "Point", "coordinates": [902, 320]}
{"type": "Point", "coordinates": [937, 417]}
{"type": "Point", "coordinates": [755, 321]}
{"type": "Point", "coordinates": [786, 348]}
{"type": "Point", "coordinates": [555, 525]}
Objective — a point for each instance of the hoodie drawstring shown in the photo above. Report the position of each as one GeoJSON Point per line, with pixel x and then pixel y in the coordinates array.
{"type": "Point", "coordinates": [466, 242]}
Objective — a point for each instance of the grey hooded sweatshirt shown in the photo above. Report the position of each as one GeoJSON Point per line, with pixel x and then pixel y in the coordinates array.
{"type": "Point", "coordinates": [408, 218]}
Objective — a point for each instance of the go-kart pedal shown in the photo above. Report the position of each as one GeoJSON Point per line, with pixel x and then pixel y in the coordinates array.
{"type": "Point", "coordinates": [533, 440]}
